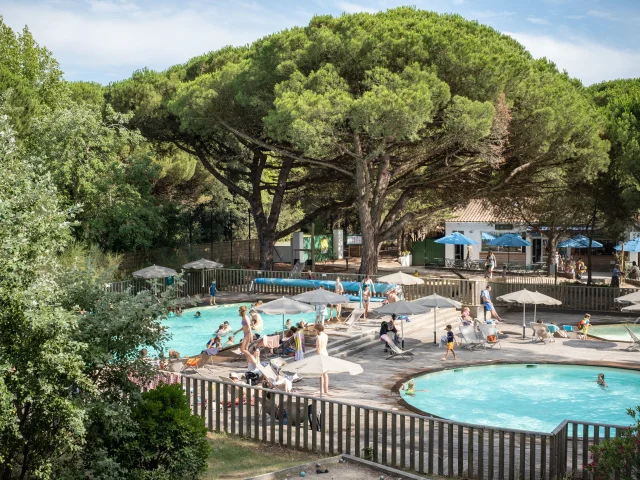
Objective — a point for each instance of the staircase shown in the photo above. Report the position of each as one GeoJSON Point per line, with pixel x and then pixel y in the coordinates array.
{"type": "Point", "coordinates": [342, 345]}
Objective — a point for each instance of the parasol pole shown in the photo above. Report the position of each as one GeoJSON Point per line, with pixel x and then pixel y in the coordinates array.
{"type": "Point", "coordinates": [434, 325]}
{"type": "Point", "coordinates": [524, 323]}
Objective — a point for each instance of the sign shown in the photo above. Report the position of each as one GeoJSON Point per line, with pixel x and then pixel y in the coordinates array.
{"type": "Point", "coordinates": [504, 226]}
{"type": "Point", "coordinates": [354, 239]}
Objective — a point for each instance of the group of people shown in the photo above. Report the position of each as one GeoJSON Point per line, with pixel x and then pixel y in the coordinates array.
{"type": "Point", "coordinates": [576, 267]}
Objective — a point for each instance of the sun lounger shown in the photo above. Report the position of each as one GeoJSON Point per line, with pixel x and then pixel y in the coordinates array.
{"type": "Point", "coordinates": [542, 333]}
{"type": "Point", "coordinates": [349, 323]}
{"type": "Point", "coordinates": [470, 337]}
{"type": "Point", "coordinates": [196, 362]}
{"type": "Point", "coordinates": [396, 351]}
{"type": "Point", "coordinates": [635, 345]}
{"type": "Point", "coordinates": [489, 332]}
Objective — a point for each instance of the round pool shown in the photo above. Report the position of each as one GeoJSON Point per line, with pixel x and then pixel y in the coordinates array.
{"type": "Point", "coordinates": [527, 397]}
{"type": "Point", "coordinates": [189, 334]}
{"type": "Point", "coordinates": [614, 333]}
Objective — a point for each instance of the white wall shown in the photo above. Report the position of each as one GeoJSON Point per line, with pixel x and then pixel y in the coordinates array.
{"type": "Point", "coordinates": [284, 250]}
{"type": "Point", "coordinates": [474, 230]}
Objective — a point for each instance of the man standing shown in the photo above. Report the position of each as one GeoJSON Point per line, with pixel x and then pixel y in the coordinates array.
{"type": "Point", "coordinates": [485, 298]}
{"type": "Point", "coordinates": [212, 293]}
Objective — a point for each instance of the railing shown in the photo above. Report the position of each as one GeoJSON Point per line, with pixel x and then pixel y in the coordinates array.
{"type": "Point", "coordinates": [415, 442]}
{"type": "Point", "coordinates": [573, 297]}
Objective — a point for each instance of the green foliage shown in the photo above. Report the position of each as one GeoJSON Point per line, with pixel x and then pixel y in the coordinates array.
{"type": "Point", "coordinates": [169, 443]}
{"type": "Point", "coordinates": [618, 457]}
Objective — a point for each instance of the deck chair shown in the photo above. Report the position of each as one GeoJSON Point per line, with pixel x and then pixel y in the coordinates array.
{"type": "Point", "coordinates": [542, 333]}
{"type": "Point", "coordinates": [489, 332]}
{"type": "Point", "coordinates": [395, 351]}
{"type": "Point", "coordinates": [349, 323]}
{"type": "Point", "coordinates": [635, 345]}
{"type": "Point", "coordinates": [196, 362]}
{"type": "Point", "coordinates": [470, 338]}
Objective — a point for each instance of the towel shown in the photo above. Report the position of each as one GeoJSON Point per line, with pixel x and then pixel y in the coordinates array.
{"type": "Point", "coordinates": [270, 342]}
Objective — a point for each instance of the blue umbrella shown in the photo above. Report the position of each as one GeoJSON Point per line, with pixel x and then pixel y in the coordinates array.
{"type": "Point", "coordinates": [487, 236]}
{"type": "Point", "coordinates": [579, 241]}
{"type": "Point", "coordinates": [630, 246]}
{"type": "Point", "coordinates": [509, 240]}
{"type": "Point", "coordinates": [456, 238]}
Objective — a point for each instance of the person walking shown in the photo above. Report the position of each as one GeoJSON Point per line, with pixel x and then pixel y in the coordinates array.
{"type": "Point", "coordinates": [366, 298]}
{"type": "Point", "coordinates": [490, 264]}
{"type": "Point", "coordinates": [451, 341]}
{"type": "Point", "coordinates": [322, 341]}
{"type": "Point", "coordinates": [339, 291]}
{"type": "Point", "coordinates": [212, 292]}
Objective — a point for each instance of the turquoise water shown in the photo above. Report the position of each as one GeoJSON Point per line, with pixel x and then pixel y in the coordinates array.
{"type": "Point", "coordinates": [189, 335]}
{"type": "Point", "coordinates": [614, 333]}
{"type": "Point", "coordinates": [537, 398]}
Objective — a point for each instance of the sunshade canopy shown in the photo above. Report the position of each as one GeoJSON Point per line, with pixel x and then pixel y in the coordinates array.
{"type": "Point", "coordinates": [202, 264]}
{"type": "Point", "coordinates": [436, 300]}
{"type": "Point", "coordinates": [456, 238]}
{"type": "Point", "coordinates": [400, 278]}
{"type": "Point", "coordinates": [283, 305]}
{"type": "Point", "coordinates": [321, 297]}
{"type": "Point", "coordinates": [318, 365]}
{"type": "Point", "coordinates": [402, 308]}
{"type": "Point", "coordinates": [632, 308]}
{"type": "Point", "coordinates": [629, 298]}
{"type": "Point", "coordinates": [528, 297]}
{"type": "Point", "coordinates": [509, 240]}
{"type": "Point", "coordinates": [487, 236]}
{"type": "Point", "coordinates": [155, 271]}
{"type": "Point", "coordinates": [579, 241]}
{"type": "Point", "coordinates": [630, 246]}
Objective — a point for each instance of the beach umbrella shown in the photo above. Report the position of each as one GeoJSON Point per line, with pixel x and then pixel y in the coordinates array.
{"type": "Point", "coordinates": [632, 308]}
{"type": "Point", "coordinates": [284, 306]}
{"type": "Point", "coordinates": [579, 241]}
{"type": "Point", "coordinates": [630, 246]}
{"type": "Point", "coordinates": [437, 301]}
{"type": "Point", "coordinates": [487, 237]}
{"type": "Point", "coordinates": [318, 365]}
{"type": "Point", "coordinates": [527, 297]}
{"type": "Point", "coordinates": [155, 271]}
{"type": "Point", "coordinates": [400, 278]}
{"type": "Point", "coordinates": [509, 240]}
{"type": "Point", "coordinates": [202, 264]}
{"type": "Point", "coordinates": [321, 296]}
{"type": "Point", "coordinates": [402, 308]}
{"type": "Point", "coordinates": [629, 298]}
{"type": "Point", "coordinates": [456, 238]}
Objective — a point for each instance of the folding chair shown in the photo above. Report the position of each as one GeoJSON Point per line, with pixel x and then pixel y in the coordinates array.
{"type": "Point", "coordinates": [635, 345]}
{"type": "Point", "coordinates": [349, 323]}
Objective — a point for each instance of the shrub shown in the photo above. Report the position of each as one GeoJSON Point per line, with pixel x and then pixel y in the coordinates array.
{"type": "Point", "coordinates": [169, 443]}
{"type": "Point", "coordinates": [618, 457]}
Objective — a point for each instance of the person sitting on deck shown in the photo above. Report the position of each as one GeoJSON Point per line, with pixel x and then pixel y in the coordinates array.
{"type": "Point", "coordinates": [634, 271]}
{"type": "Point", "coordinates": [388, 330]}
{"type": "Point", "coordinates": [465, 317]}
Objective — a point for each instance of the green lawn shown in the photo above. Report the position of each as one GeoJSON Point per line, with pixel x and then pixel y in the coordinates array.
{"type": "Point", "coordinates": [235, 458]}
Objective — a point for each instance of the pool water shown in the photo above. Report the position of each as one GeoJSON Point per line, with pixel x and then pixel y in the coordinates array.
{"type": "Point", "coordinates": [189, 335]}
{"type": "Point", "coordinates": [614, 333]}
{"type": "Point", "coordinates": [536, 397]}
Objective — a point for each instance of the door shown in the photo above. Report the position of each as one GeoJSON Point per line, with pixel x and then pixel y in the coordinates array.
{"type": "Point", "coordinates": [458, 253]}
{"type": "Point", "coordinates": [536, 254]}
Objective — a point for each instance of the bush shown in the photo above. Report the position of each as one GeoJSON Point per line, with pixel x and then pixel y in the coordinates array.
{"type": "Point", "coordinates": [169, 443]}
{"type": "Point", "coordinates": [618, 457]}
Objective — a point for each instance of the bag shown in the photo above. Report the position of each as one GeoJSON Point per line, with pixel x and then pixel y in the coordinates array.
{"type": "Point", "coordinates": [491, 339]}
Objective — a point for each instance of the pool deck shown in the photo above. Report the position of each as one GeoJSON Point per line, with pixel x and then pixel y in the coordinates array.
{"type": "Point", "coordinates": [377, 385]}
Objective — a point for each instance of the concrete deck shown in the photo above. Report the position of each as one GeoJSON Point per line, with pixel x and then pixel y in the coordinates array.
{"type": "Point", "coordinates": [375, 386]}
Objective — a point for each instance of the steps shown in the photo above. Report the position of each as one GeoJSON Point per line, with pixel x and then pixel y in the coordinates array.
{"type": "Point", "coordinates": [367, 337]}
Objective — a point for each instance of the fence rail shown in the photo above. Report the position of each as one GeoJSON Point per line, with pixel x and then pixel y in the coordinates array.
{"type": "Point", "coordinates": [419, 443]}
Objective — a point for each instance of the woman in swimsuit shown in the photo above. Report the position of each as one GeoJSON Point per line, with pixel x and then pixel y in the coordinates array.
{"type": "Point", "coordinates": [246, 330]}
{"type": "Point", "coordinates": [366, 296]}
{"type": "Point", "coordinates": [321, 349]}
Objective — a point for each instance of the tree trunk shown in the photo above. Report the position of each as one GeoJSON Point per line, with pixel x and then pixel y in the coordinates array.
{"type": "Point", "coordinates": [591, 226]}
{"type": "Point", "coordinates": [552, 246]}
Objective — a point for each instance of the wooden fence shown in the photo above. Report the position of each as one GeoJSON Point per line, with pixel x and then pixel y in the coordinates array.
{"type": "Point", "coordinates": [573, 297]}
{"type": "Point", "coordinates": [419, 443]}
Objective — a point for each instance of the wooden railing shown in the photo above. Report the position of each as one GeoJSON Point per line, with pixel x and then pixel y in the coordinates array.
{"type": "Point", "coordinates": [419, 443]}
{"type": "Point", "coordinates": [573, 297]}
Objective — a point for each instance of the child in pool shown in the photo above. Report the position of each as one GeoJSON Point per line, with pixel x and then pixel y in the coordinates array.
{"type": "Point", "coordinates": [601, 381]}
{"type": "Point", "coordinates": [409, 387]}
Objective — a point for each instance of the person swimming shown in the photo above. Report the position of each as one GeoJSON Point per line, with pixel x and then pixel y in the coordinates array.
{"type": "Point", "coordinates": [197, 315]}
{"type": "Point", "coordinates": [409, 387]}
{"type": "Point", "coordinates": [601, 381]}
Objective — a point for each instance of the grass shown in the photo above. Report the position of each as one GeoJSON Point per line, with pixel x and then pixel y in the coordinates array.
{"type": "Point", "coordinates": [235, 458]}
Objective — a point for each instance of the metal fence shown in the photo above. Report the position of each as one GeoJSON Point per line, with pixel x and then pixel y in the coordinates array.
{"type": "Point", "coordinates": [419, 443]}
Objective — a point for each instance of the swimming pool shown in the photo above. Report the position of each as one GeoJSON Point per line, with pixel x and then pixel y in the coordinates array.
{"type": "Point", "coordinates": [527, 397]}
{"type": "Point", "coordinates": [614, 333]}
{"type": "Point", "coordinates": [189, 335]}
